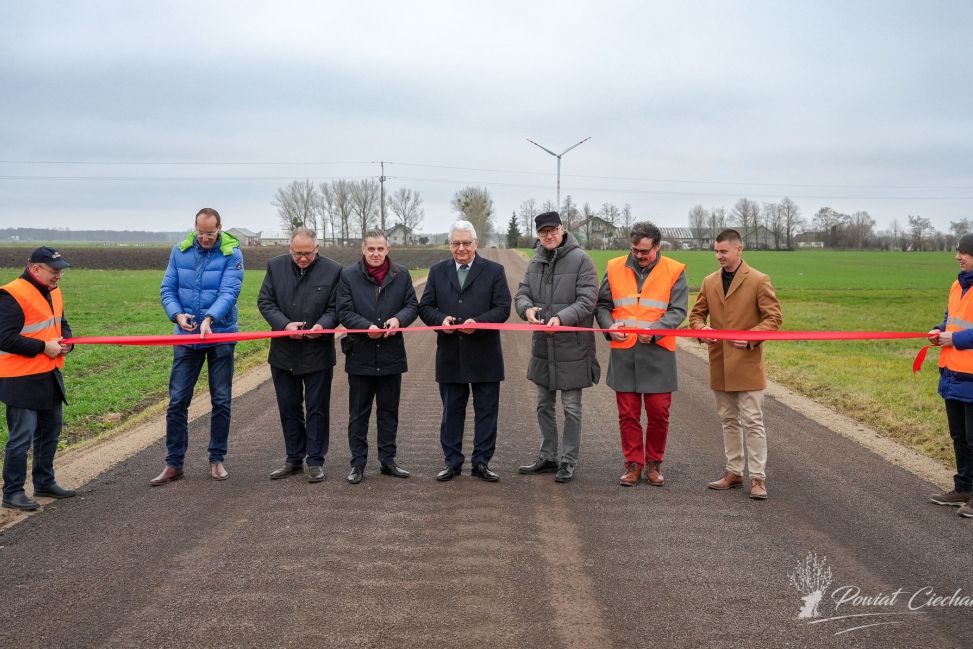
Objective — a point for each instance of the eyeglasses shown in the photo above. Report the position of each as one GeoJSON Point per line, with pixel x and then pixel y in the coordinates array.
{"type": "Point", "coordinates": [642, 252]}
{"type": "Point", "coordinates": [460, 244]}
{"type": "Point", "coordinates": [207, 235]}
{"type": "Point", "coordinates": [56, 272]}
{"type": "Point", "coordinates": [548, 232]}
{"type": "Point", "coordinates": [303, 255]}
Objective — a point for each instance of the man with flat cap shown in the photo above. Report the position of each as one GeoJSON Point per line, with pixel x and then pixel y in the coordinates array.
{"type": "Point", "coordinates": [32, 327]}
{"type": "Point", "coordinates": [559, 288]}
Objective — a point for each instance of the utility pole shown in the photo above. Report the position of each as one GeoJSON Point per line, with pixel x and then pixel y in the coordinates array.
{"type": "Point", "coordinates": [381, 181]}
{"type": "Point", "coordinates": [558, 156]}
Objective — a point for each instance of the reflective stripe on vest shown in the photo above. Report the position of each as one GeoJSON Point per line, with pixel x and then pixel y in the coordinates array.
{"type": "Point", "coordinates": [959, 316]}
{"type": "Point", "coordinates": [40, 322]}
{"type": "Point", "coordinates": [636, 309]}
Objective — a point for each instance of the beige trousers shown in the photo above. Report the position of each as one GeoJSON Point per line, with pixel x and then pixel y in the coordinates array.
{"type": "Point", "coordinates": [741, 414]}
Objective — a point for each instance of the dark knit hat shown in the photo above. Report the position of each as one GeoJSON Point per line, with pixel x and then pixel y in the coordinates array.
{"type": "Point", "coordinates": [965, 244]}
{"type": "Point", "coordinates": [547, 219]}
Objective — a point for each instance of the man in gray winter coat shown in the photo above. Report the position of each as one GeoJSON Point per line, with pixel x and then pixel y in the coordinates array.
{"type": "Point", "coordinates": [560, 288]}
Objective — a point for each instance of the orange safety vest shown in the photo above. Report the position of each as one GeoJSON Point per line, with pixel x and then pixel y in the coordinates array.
{"type": "Point", "coordinates": [40, 322]}
{"type": "Point", "coordinates": [959, 316]}
{"type": "Point", "coordinates": [641, 309]}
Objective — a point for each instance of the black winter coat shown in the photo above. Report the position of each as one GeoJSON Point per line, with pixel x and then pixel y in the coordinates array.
{"type": "Point", "coordinates": [288, 295]}
{"type": "Point", "coordinates": [485, 297]}
{"type": "Point", "coordinates": [360, 303]}
{"type": "Point", "coordinates": [37, 391]}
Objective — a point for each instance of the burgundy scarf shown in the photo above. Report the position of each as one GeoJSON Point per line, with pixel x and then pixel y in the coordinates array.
{"type": "Point", "coordinates": [378, 274]}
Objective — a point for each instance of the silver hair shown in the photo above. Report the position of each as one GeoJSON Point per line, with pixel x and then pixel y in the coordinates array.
{"type": "Point", "coordinates": [307, 233]}
{"type": "Point", "coordinates": [376, 234]}
{"type": "Point", "coordinates": [464, 226]}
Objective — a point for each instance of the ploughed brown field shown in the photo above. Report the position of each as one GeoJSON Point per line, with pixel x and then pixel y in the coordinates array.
{"type": "Point", "coordinates": [156, 257]}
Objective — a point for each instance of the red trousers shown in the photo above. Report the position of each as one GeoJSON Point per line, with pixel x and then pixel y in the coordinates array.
{"type": "Point", "coordinates": [656, 426]}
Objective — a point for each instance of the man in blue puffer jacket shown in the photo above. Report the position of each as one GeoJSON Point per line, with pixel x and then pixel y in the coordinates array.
{"type": "Point", "coordinates": [199, 293]}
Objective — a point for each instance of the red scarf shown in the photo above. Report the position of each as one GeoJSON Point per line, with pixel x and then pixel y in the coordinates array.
{"type": "Point", "coordinates": [377, 273]}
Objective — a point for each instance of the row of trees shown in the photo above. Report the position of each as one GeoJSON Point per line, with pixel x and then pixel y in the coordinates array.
{"type": "Point", "coordinates": [770, 225]}
{"type": "Point", "coordinates": [346, 208]}
{"type": "Point", "coordinates": [349, 208]}
{"type": "Point", "coordinates": [777, 225]}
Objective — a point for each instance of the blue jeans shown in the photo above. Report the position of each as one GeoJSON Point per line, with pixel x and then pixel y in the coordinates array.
{"type": "Point", "coordinates": [40, 428]}
{"type": "Point", "coordinates": [187, 362]}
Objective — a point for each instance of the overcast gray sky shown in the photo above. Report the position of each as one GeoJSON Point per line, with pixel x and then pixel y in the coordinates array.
{"type": "Point", "coordinates": [851, 105]}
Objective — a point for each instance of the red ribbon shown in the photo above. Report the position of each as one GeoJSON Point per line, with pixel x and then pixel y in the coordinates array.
{"type": "Point", "coordinates": [719, 334]}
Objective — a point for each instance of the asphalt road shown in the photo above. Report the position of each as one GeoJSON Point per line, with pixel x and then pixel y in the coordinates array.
{"type": "Point", "coordinates": [523, 562]}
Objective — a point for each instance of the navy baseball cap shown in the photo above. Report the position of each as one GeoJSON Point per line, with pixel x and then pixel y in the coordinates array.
{"type": "Point", "coordinates": [49, 256]}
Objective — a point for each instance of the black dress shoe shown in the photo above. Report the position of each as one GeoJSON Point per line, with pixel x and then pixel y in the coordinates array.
{"type": "Point", "coordinates": [394, 469]}
{"type": "Point", "coordinates": [448, 473]}
{"type": "Point", "coordinates": [20, 501]}
{"type": "Point", "coordinates": [285, 471]}
{"type": "Point", "coordinates": [55, 491]}
{"type": "Point", "coordinates": [540, 465]}
{"type": "Point", "coordinates": [356, 475]}
{"type": "Point", "coordinates": [483, 472]}
{"type": "Point", "coordinates": [565, 473]}
{"type": "Point", "coordinates": [314, 473]}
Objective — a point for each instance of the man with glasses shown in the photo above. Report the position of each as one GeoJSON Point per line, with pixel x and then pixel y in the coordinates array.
{"type": "Point", "coordinates": [464, 290]}
{"type": "Point", "coordinates": [559, 288]}
{"type": "Point", "coordinates": [32, 326]}
{"type": "Point", "coordinates": [643, 290]}
{"type": "Point", "coordinates": [298, 294]}
{"type": "Point", "coordinates": [199, 294]}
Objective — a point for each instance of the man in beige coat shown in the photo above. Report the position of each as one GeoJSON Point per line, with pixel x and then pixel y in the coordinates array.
{"type": "Point", "coordinates": [738, 297]}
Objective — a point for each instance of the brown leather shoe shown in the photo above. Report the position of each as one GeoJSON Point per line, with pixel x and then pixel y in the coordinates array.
{"type": "Point", "coordinates": [728, 481]}
{"type": "Point", "coordinates": [217, 471]}
{"type": "Point", "coordinates": [632, 474]}
{"type": "Point", "coordinates": [652, 475]}
{"type": "Point", "coordinates": [758, 489]}
{"type": "Point", "coordinates": [169, 474]}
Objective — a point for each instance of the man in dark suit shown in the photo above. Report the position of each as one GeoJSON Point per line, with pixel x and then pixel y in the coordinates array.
{"type": "Point", "coordinates": [298, 294]}
{"type": "Point", "coordinates": [464, 290]}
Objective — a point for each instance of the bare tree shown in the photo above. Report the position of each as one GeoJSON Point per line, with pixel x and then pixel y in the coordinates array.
{"type": "Point", "coordinates": [861, 229]}
{"type": "Point", "coordinates": [773, 222]}
{"type": "Point", "coordinates": [717, 221]}
{"type": "Point", "coordinates": [548, 206]}
{"type": "Point", "coordinates": [828, 221]}
{"type": "Point", "coordinates": [697, 224]}
{"type": "Point", "coordinates": [297, 205]}
{"type": "Point", "coordinates": [328, 211]}
{"type": "Point", "coordinates": [528, 210]}
{"type": "Point", "coordinates": [626, 218]}
{"type": "Point", "coordinates": [476, 206]}
{"type": "Point", "coordinates": [570, 216]}
{"type": "Point", "coordinates": [745, 215]}
{"type": "Point", "coordinates": [919, 227]}
{"type": "Point", "coordinates": [586, 225]}
{"type": "Point", "coordinates": [365, 204]}
{"type": "Point", "coordinates": [406, 204]}
{"type": "Point", "coordinates": [790, 214]}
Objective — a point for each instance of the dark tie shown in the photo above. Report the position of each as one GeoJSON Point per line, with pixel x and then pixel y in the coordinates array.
{"type": "Point", "coordinates": [463, 271]}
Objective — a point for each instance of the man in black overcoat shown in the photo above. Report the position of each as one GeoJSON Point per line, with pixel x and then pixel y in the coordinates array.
{"type": "Point", "coordinates": [464, 290]}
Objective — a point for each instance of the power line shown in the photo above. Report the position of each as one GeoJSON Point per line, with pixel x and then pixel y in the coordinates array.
{"type": "Point", "coordinates": [279, 163]}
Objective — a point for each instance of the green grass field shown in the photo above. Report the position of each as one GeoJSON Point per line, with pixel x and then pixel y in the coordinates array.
{"type": "Point", "coordinates": [871, 381]}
